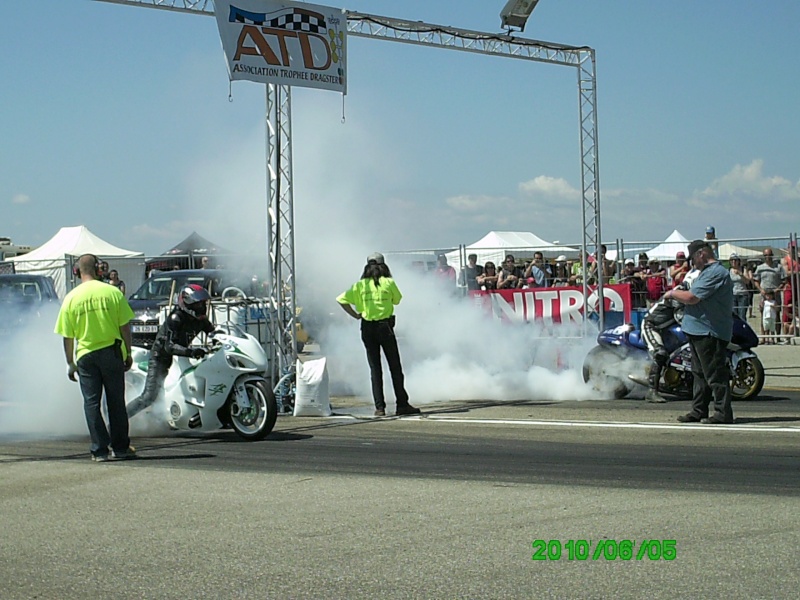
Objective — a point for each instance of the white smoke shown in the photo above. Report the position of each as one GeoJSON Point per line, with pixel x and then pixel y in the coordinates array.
{"type": "Point", "coordinates": [452, 350]}
{"type": "Point", "coordinates": [36, 399]}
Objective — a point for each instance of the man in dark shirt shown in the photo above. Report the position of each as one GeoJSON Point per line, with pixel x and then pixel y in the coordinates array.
{"type": "Point", "coordinates": [510, 277]}
{"type": "Point", "coordinates": [470, 273]}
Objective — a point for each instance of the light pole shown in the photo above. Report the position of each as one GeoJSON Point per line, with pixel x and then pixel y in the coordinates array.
{"type": "Point", "coordinates": [516, 12]}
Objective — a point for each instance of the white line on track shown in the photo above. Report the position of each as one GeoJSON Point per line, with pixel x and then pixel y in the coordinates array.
{"type": "Point", "coordinates": [605, 424]}
{"type": "Point", "coordinates": [610, 424]}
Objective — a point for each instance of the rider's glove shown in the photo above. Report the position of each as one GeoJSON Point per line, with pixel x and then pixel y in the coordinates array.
{"type": "Point", "coordinates": [197, 352]}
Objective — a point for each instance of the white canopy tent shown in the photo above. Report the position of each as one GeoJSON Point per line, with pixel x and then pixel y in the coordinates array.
{"type": "Point", "coordinates": [55, 257]}
{"type": "Point", "coordinates": [522, 244]}
{"type": "Point", "coordinates": [667, 249]}
{"type": "Point", "coordinates": [726, 249]}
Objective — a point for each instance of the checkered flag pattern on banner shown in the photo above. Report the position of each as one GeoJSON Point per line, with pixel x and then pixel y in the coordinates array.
{"type": "Point", "coordinates": [298, 19]}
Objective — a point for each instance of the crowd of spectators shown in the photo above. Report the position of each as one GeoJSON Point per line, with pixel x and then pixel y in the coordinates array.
{"type": "Point", "coordinates": [765, 284]}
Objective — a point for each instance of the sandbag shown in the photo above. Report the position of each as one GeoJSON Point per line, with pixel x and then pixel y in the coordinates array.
{"type": "Point", "coordinates": [312, 397]}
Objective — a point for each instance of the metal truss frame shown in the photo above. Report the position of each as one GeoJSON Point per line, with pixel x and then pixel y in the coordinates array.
{"type": "Point", "coordinates": [280, 236]}
{"type": "Point", "coordinates": [280, 232]}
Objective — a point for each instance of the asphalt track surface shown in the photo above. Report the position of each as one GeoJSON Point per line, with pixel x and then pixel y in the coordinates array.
{"type": "Point", "coordinates": [443, 506]}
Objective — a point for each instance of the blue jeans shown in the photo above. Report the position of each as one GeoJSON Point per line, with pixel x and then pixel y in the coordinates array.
{"type": "Point", "coordinates": [97, 371]}
{"type": "Point", "coordinates": [741, 302]}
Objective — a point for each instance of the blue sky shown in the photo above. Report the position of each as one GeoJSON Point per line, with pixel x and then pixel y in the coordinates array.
{"type": "Point", "coordinates": [118, 118]}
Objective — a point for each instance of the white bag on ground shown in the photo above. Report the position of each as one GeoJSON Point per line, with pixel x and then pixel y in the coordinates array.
{"type": "Point", "coordinates": [313, 397]}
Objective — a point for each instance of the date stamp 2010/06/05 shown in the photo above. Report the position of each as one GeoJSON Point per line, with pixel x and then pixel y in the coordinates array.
{"type": "Point", "coordinates": [604, 549]}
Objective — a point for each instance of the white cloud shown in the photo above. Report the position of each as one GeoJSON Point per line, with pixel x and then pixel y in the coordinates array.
{"type": "Point", "coordinates": [749, 180]}
{"type": "Point", "coordinates": [21, 199]}
{"type": "Point", "coordinates": [552, 187]}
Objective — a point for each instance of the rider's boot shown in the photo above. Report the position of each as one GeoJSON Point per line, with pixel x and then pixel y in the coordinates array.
{"type": "Point", "coordinates": [654, 379]}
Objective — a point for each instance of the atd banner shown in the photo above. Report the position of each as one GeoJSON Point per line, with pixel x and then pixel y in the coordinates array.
{"type": "Point", "coordinates": [284, 43]}
{"type": "Point", "coordinates": [552, 305]}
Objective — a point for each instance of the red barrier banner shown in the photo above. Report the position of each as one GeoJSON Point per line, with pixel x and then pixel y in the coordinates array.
{"type": "Point", "coordinates": [552, 305]}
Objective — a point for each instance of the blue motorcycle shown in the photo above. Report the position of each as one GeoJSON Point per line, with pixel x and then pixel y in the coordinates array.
{"type": "Point", "coordinates": [621, 356]}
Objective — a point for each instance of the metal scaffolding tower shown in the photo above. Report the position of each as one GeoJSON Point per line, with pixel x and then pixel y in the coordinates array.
{"type": "Point", "coordinates": [280, 229]}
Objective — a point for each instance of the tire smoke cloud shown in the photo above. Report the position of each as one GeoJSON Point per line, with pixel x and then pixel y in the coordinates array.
{"type": "Point", "coordinates": [36, 398]}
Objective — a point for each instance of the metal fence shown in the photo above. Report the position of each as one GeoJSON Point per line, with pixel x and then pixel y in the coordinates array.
{"type": "Point", "coordinates": [749, 250]}
{"type": "Point", "coordinates": [133, 271]}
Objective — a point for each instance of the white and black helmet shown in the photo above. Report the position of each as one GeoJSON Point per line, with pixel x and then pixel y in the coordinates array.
{"type": "Point", "coordinates": [193, 300]}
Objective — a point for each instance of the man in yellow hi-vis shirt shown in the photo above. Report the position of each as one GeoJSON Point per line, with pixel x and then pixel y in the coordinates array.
{"type": "Point", "coordinates": [96, 314]}
{"type": "Point", "coordinates": [374, 297]}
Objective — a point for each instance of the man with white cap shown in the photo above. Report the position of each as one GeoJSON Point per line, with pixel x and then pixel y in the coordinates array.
{"type": "Point", "coordinates": [561, 272]}
{"type": "Point", "coordinates": [374, 297]}
{"type": "Point", "coordinates": [741, 278]}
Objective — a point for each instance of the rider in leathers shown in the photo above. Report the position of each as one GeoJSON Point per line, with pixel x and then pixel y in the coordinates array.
{"type": "Point", "coordinates": [184, 322]}
{"type": "Point", "coordinates": [662, 315]}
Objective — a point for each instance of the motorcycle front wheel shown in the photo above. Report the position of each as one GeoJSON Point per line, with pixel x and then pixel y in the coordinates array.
{"type": "Point", "coordinates": [602, 369]}
{"type": "Point", "coordinates": [748, 379]}
{"type": "Point", "coordinates": [255, 422]}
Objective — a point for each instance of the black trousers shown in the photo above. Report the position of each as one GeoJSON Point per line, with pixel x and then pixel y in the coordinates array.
{"type": "Point", "coordinates": [378, 335]}
{"type": "Point", "coordinates": [711, 377]}
{"type": "Point", "coordinates": [157, 369]}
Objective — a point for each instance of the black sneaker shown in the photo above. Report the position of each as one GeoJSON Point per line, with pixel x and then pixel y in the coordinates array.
{"type": "Point", "coordinates": [715, 420]}
{"type": "Point", "coordinates": [690, 418]}
{"type": "Point", "coordinates": [100, 457]}
{"type": "Point", "coordinates": [380, 412]}
{"type": "Point", "coordinates": [407, 409]}
{"type": "Point", "coordinates": [129, 454]}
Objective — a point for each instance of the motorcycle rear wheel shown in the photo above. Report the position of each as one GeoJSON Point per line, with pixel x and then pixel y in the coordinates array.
{"type": "Point", "coordinates": [748, 380]}
{"type": "Point", "coordinates": [257, 421]}
{"type": "Point", "coordinates": [599, 372]}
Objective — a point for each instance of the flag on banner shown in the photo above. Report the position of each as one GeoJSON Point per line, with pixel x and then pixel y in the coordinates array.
{"type": "Point", "coordinates": [284, 43]}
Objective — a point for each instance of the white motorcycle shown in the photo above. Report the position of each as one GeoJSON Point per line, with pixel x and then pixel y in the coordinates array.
{"type": "Point", "coordinates": [224, 388]}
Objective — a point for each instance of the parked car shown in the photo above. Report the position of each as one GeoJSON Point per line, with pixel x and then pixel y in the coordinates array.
{"type": "Point", "coordinates": [154, 294]}
{"type": "Point", "coordinates": [25, 297]}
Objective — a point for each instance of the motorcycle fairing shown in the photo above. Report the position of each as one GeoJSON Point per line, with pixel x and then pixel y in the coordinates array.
{"type": "Point", "coordinates": [738, 356]}
{"type": "Point", "coordinates": [635, 339]}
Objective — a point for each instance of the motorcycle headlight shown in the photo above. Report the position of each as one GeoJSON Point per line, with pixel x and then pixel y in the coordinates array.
{"type": "Point", "coordinates": [241, 363]}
